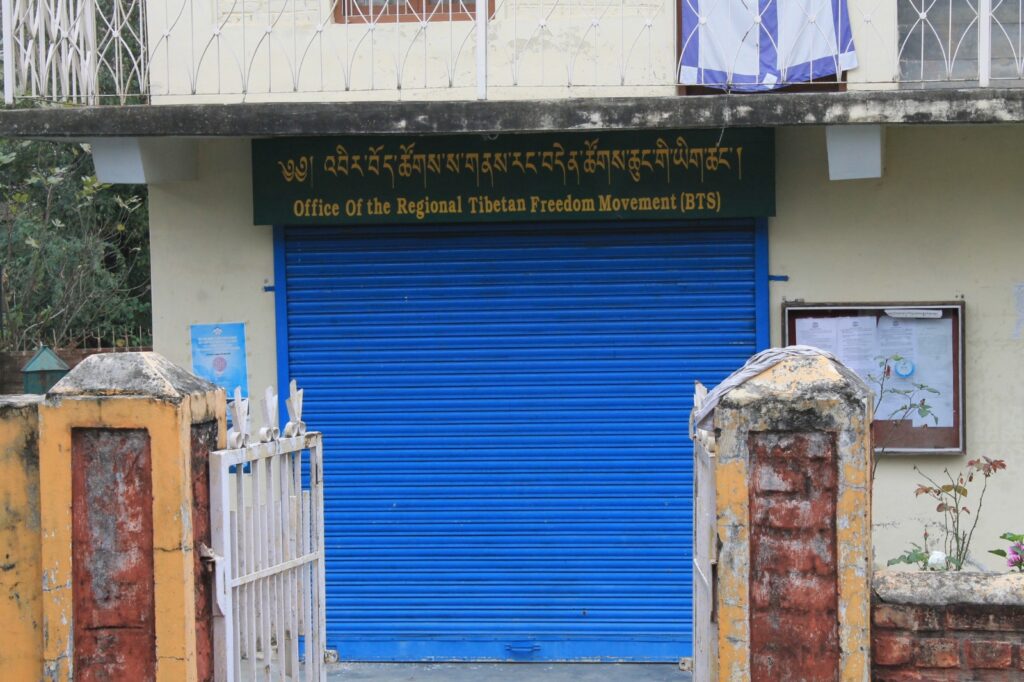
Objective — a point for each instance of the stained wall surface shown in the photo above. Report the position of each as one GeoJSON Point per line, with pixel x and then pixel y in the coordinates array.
{"type": "Point", "coordinates": [21, 582]}
{"type": "Point", "coordinates": [943, 223]}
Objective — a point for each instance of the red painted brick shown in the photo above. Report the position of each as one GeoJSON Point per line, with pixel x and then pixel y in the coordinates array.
{"type": "Point", "coordinates": [817, 514]}
{"type": "Point", "coordinates": [990, 618]}
{"type": "Point", "coordinates": [114, 625]}
{"type": "Point", "coordinates": [905, 617]}
{"type": "Point", "coordinates": [895, 675]}
{"type": "Point", "coordinates": [793, 664]}
{"type": "Point", "coordinates": [818, 632]}
{"type": "Point", "coordinates": [792, 552]}
{"type": "Point", "coordinates": [988, 654]}
{"type": "Point", "coordinates": [918, 675]}
{"type": "Point", "coordinates": [824, 474]}
{"type": "Point", "coordinates": [937, 653]}
{"type": "Point", "coordinates": [890, 650]}
{"type": "Point", "coordinates": [795, 592]}
{"type": "Point", "coordinates": [780, 476]}
{"type": "Point", "coordinates": [203, 441]}
{"type": "Point", "coordinates": [793, 587]}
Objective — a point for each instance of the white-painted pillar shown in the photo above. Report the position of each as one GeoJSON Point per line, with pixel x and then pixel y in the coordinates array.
{"type": "Point", "coordinates": [483, 12]}
{"type": "Point", "coordinates": [984, 42]}
{"type": "Point", "coordinates": [8, 33]}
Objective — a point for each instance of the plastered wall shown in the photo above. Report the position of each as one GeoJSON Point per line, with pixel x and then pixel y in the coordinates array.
{"type": "Point", "coordinates": [944, 222]}
{"type": "Point", "coordinates": [21, 585]}
{"type": "Point", "coordinates": [298, 50]}
{"type": "Point", "coordinates": [210, 264]}
{"type": "Point", "coordinates": [204, 51]}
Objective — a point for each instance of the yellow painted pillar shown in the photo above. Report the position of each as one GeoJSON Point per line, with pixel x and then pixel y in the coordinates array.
{"type": "Point", "coordinates": [21, 653]}
{"type": "Point", "coordinates": [793, 509]}
{"type": "Point", "coordinates": [128, 422]}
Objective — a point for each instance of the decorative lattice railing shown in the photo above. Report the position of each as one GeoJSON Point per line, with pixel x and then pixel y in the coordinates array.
{"type": "Point", "coordinates": [91, 51]}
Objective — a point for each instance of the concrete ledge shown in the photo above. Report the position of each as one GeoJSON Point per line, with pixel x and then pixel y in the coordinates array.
{"type": "Point", "coordinates": [286, 119]}
{"type": "Point", "coordinates": [19, 401]}
{"type": "Point", "coordinates": [941, 588]}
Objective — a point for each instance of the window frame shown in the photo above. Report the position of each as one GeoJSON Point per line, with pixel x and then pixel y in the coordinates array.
{"type": "Point", "coordinates": [423, 11]}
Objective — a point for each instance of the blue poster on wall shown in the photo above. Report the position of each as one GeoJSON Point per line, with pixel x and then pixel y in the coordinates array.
{"type": "Point", "coordinates": [218, 355]}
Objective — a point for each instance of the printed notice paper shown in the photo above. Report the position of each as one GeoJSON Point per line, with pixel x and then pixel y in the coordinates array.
{"type": "Point", "coordinates": [218, 355]}
{"type": "Point", "coordinates": [935, 368]}
{"type": "Point", "coordinates": [924, 347]}
{"type": "Point", "coordinates": [857, 344]}
{"type": "Point", "coordinates": [851, 339]}
{"type": "Point", "coordinates": [818, 332]}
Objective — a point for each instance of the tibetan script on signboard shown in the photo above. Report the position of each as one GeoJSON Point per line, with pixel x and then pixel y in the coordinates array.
{"type": "Point", "coordinates": [516, 177]}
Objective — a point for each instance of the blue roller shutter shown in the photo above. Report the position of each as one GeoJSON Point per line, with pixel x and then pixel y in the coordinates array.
{"type": "Point", "coordinates": [504, 410]}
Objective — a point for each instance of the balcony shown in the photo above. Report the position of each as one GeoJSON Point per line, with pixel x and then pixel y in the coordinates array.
{"type": "Point", "coordinates": [230, 51]}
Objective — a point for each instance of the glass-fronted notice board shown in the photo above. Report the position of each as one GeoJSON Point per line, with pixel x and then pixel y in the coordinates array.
{"type": "Point", "coordinates": [910, 354]}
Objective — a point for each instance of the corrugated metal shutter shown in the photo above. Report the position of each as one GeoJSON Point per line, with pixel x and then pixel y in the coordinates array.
{"type": "Point", "coordinates": [504, 410]}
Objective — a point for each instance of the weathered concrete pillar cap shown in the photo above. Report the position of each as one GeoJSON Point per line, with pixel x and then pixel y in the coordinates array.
{"type": "Point", "coordinates": [766, 360]}
{"type": "Point", "coordinates": [148, 375]}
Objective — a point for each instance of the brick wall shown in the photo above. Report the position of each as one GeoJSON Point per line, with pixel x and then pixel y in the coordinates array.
{"type": "Point", "coordinates": [794, 623]}
{"type": "Point", "coordinates": [953, 641]}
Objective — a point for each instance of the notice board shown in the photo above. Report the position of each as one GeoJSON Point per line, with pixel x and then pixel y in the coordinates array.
{"type": "Point", "coordinates": [922, 346]}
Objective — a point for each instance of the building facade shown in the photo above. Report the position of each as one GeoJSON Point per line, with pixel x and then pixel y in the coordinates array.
{"type": "Point", "coordinates": [503, 367]}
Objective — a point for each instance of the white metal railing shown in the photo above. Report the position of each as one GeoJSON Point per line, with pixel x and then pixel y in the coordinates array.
{"type": "Point", "coordinates": [705, 545]}
{"type": "Point", "coordinates": [266, 501]}
{"type": "Point", "coordinates": [244, 50]}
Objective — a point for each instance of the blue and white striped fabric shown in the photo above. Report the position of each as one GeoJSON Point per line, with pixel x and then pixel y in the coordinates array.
{"type": "Point", "coordinates": [750, 45]}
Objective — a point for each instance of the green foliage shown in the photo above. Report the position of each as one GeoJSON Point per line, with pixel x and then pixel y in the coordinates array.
{"type": "Point", "coordinates": [958, 521]}
{"type": "Point", "coordinates": [908, 401]}
{"type": "Point", "coordinates": [74, 253]}
{"type": "Point", "coordinates": [1015, 554]}
{"type": "Point", "coordinates": [915, 556]}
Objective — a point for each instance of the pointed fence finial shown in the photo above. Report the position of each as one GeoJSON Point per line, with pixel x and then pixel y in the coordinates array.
{"type": "Point", "coordinates": [270, 430]}
{"type": "Point", "coordinates": [238, 436]}
{"type": "Point", "coordinates": [295, 425]}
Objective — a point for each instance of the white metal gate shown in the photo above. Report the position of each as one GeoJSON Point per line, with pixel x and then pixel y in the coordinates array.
{"type": "Point", "coordinates": [266, 504]}
{"type": "Point", "coordinates": [705, 547]}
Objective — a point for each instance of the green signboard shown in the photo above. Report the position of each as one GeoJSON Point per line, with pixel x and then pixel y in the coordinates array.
{"type": "Point", "coordinates": [598, 175]}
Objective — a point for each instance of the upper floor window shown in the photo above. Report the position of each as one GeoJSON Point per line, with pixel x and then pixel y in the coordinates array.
{"type": "Point", "coordinates": [938, 41]}
{"type": "Point", "coordinates": [379, 11]}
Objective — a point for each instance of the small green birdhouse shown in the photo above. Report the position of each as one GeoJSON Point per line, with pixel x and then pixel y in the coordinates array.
{"type": "Point", "coordinates": [44, 370]}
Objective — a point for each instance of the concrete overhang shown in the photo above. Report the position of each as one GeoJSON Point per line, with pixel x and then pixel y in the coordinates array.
{"type": "Point", "coordinates": [288, 119]}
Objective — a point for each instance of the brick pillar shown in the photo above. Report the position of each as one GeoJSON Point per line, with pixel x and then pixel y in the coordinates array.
{"type": "Point", "coordinates": [122, 443]}
{"type": "Point", "coordinates": [793, 516]}
{"type": "Point", "coordinates": [21, 589]}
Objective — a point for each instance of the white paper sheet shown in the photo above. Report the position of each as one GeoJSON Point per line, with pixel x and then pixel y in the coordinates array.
{"type": "Point", "coordinates": [935, 368]}
{"type": "Point", "coordinates": [862, 342]}
{"type": "Point", "coordinates": [857, 344]}
{"type": "Point", "coordinates": [896, 338]}
{"type": "Point", "coordinates": [817, 332]}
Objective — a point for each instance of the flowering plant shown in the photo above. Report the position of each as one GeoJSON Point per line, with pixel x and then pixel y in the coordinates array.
{"type": "Point", "coordinates": [957, 525]}
{"type": "Point", "coordinates": [1014, 555]}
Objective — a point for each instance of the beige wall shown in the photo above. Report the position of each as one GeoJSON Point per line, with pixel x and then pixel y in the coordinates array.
{"type": "Point", "coordinates": [210, 263]}
{"type": "Point", "coordinates": [204, 51]}
{"type": "Point", "coordinates": [294, 50]}
{"type": "Point", "coordinates": [944, 222]}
